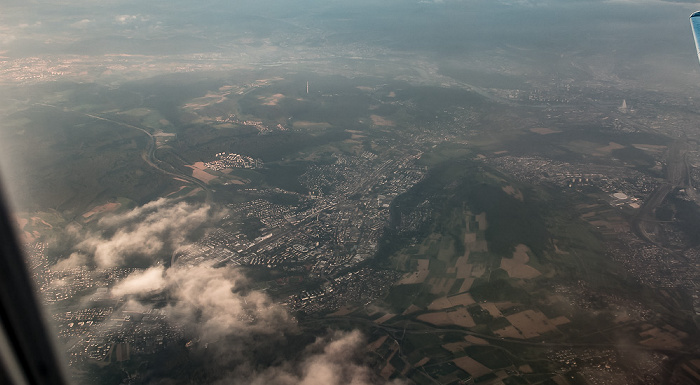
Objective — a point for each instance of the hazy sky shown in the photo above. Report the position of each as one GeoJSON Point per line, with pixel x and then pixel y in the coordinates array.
{"type": "Point", "coordinates": [649, 39]}
{"type": "Point", "coordinates": [410, 24]}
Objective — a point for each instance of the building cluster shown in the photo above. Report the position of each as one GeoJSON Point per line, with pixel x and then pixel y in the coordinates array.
{"type": "Point", "coordinates": [91, 331]}
{"type": "Point", "coordinates": [598, 366]}
{"type": "Point", "coordinates": [92, 334]}
{"type": "Point", "coordinates": [259, 125]}
{"type": "Point", "coordinates": [35, 257]}
{"type": "Point", "coordinates": [324, 235]}
{"type": "Point", "coordinates": [359, 287]}
{"type": "Point", "coordinates": [590, 299]}
{"type": "Point", "coordinates": [563, 94]}
{"type": "Point", "coordinates": [336, 226]}
{"type": "Point", "coordinates": [659, 267]}
{"type": "Point", "coordinates": [648, 263]}
{"type": "Point", "coordinates": [622, 183]}
{"type": "Point", "coordinates": [98, 322]}
{"type": "Point", "coordinates": [224, 160]}
{"type": "Point", "coordinates": [603, 366]}
{"type": "Point", "coordinates": [57, 286]}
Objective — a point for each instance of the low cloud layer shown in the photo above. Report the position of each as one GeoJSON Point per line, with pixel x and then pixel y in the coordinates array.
{"type": "Point", "coordinates": [241, 335]}
{"type": "Point", "coordinates": [147, 232]}
{"type": "Point", "coordinates": [334, 359]}
{"type": "Point", "coordinates": [146, 282]}
{"type": "Point", "coordinates": [75, 260]}
{"type": "Point", "coordinates": [235, 324]}
{"type": "Point", "coordinates": [212, 303]}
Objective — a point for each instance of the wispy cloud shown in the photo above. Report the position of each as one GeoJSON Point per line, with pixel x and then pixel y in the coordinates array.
{"type": "Point", "coordinates": [216, 303]}
{"type": "Point", "coordinates": [231, 324]}
{"type": "Point", "coordinates": [140, 283]}
{"type": "Point", "coordinates": [334, 359]}
{"type": "Point", "coordinates": [75, 260]}
{"type": "Point", "coordinates": [81, 24]}
{"type": "Point", "coordinates": [147, 232]}
{"type": "Point", "coordinates": [216, 308]}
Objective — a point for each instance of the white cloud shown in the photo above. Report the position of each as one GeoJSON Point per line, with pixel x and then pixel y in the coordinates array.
{"type": "Point", "coordinates": [146, 232]}
{"type": "Point", "coordinates": [146, 282]}
{"type": "Point", "coordinates": [334, 359]}
{"type": "Point", "coordinates": [73, 261]}
{"type": "Point", "coordinates": [215, 306]}
{"type": "Point", "coordinates": [211, 302]}
{"type": "Point", "coordinates": [84, 23]}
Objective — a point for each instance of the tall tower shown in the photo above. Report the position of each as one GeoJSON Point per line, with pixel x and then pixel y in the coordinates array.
{"type": "Point", "coordinates": [623, 107]}
{"type": "Point", "coordinates": [307, 87]}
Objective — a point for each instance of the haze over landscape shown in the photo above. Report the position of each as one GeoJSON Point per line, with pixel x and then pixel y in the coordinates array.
{"type": "Point", "coordinates": [357, 192]}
